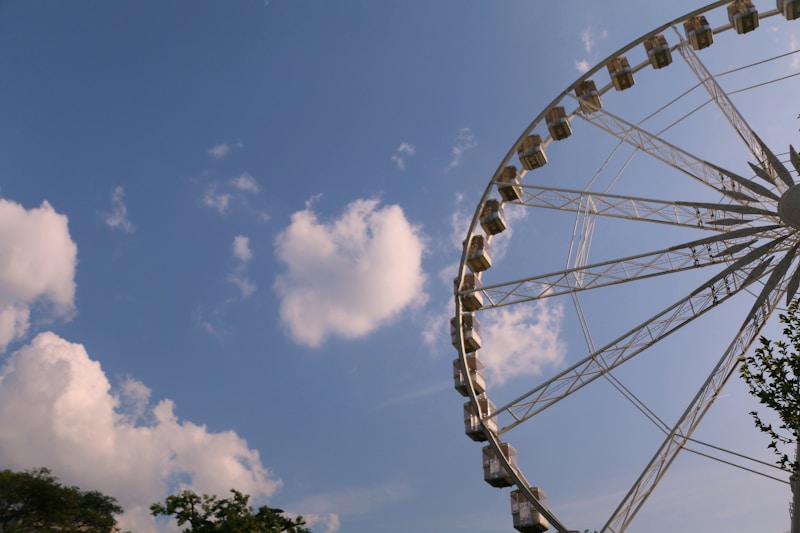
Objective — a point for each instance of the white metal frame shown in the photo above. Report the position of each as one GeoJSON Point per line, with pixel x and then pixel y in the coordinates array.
{"type": "Point", "coordinates": [756, 248]}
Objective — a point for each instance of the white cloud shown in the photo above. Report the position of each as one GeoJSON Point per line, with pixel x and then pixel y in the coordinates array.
{"type": "Point", "coordinates": [590, 37]}
{"type": "Point", "coordinates": [399, 156]}
{"type": "Point", "coordinates": [37, 266]}
{"type": "Point", "coordinates": [465, 140]}
{"type": "Point", "coordinates": [348, 276]}
{"type": "Point", "coordinates": [220, 196]}
{"type": "Point", "coordinates": [521, 340]}
{"type": "Point", "coordinates": [218, 151]}
{"type": "Point", "coordinates": [217, 200]}
{"type": "Point", "coordinates": [436, 332]}
{"type": "Point", "coordinates": [793, 45]}
{"type": "Point", "coordinates": [242, 252]}
{"type": "Point", "coordinates": [241, 248]}
{"type": "Point", "coordinates": [354, 501]}
{"type": "Point", "coordinates": [58, 409]}
{"type": "Point", "coordinates": [117, 218]}
{"type": "Point", "coordinates": [246, 182]}
{"type": "Point", "coordinates": [329, 522]}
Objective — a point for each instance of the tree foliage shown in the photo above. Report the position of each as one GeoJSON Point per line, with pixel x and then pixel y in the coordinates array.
{"type": "Point", "coordinates": [208, 514]}
{"type": "Point", "coordinates": [773, 375]}
{"type": "Point", "coordinates": [35, 502]}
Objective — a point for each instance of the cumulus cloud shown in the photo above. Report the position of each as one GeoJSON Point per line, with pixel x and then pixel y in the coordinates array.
{"type": "Point", "coordinates": [239, 277]}
{"type": "Point", "coordinates": [465, 140]}
{"type": "Point", "coordinates": [246, 182]}
{"type": "Point", "coordinates": [37, 268]}
{"type": "Point", "coordinates": [57, 408]}
{"type": "Point", "coordinates": [348, 276]}
{"type": "Point", "coordinates": [521, 340]}
{"type": "Point", "coordinates": [118, 218]}
{"type": "Point", "coordinates": [399, 157]}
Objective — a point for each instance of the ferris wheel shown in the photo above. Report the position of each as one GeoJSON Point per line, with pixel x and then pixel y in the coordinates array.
{"type": "Point", "coordinates": [649, 220]}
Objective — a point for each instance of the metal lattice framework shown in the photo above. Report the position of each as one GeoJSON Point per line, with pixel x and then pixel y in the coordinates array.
{"type": "Point", "coordinates": [744, 234]}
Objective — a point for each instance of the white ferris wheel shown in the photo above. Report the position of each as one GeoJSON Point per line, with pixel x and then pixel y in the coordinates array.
{"type": "Point", "coordinates": [655, 211]}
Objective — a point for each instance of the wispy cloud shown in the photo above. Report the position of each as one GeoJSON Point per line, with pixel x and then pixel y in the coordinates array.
{"type": "Point", "coordinates": [399, 157]}
{"type": "Point", "coordinates": [220, 195]}
{"type": "Point", "coordinates": [582, 65]}
{"type": "Point", "coordinates": [216, 200]}
{"type": "Point", "coordinates": [239, 277]}
{"type": "Point", "coordinates": [354, 501]}
{"type": "Point", "coordinates": [245, 182]}
{"type": "Point", "coordinates": [590, 36]}
{"type": "Point", "coordinates": [413, 396]}
{"type": "Point", "coordinates": [218, 151]}
{"type": "Point", "coordinates": [465, 140]}
{"type": "Point", "coordinates": [117, 217]}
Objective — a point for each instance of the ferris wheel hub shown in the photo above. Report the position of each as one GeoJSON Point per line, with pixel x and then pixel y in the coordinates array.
{"type": "Point", "coordinates": [789, 207]}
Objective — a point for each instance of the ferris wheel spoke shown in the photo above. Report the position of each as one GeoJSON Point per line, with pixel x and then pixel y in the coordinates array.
{"type": "Point", "coordinates": [718, 289]}
{"type": "Point", "coordinates": [704, 215]}
{"type": "Point", "coordinates": [772, 167]}
{"type": "Point", "coordinates": [763, 307]}
{"type": "Point", "coordinates": [703, 171]}
{"type": "Point", "coordinates": [727, 247]}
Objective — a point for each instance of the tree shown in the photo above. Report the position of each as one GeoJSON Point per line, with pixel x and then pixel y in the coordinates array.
{"type": "Point", "coordinates": [208, 514]}
{"type": "Point", "coordinates": [35, 502]}
{"type": "Point", "coordinates": [773, 375]}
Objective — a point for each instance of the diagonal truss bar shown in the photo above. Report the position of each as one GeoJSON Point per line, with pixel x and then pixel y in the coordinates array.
{"type": "Point", "coordinates": [677, 213]}
{"type": "Point", "coordinates": [726, 247]}
{"type": "Point", "coordinates": [719, 288]}
{"type": "Point", "coordinates": [764, 306]}
{"type": "Point", "coordinates": [763, 155]}
{"type": "Point", "coordinates": [703, 171]}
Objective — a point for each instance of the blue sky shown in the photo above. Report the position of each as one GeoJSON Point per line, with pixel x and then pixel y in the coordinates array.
{"type": "Point", "coordinates": [228, 232]}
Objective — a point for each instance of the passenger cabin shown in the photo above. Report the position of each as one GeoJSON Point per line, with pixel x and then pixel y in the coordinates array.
{"type": "Point", "coordinates": [471, 328]}
{"type": "Point", "coordinates": [743, 16]}
{"type": "Point", "coordinates": [526, 518]}
{"type": "Point", "coordinates": [789, 8]}
{"type": "Point", "coordinates": [493, 471]}
{"type": "Point", "coordinates": [492, 219]}
{"type": "Point", "coordinates": [509, 185]}
{"type": "Point", "coordinates": [475, 369]}
{"type": "Point", "coordinates": [589, 98]}
{"type": "Point", "coordinates": [472, 419]}
{"type": "Point", "coordinates": [698, 32]}
{"type": "Point", "coordinates": [478, 257]}
{"type": "Point", "coordinates": [658, 52]}
{"type": "Point", "coordinates": [558, 123]}
{"type": "Point", "coordinates": [470, 295]}
{"type": "Point", "coordinates": [531, 153]}
{"type": "Point", "coordinates": [620, 71]}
